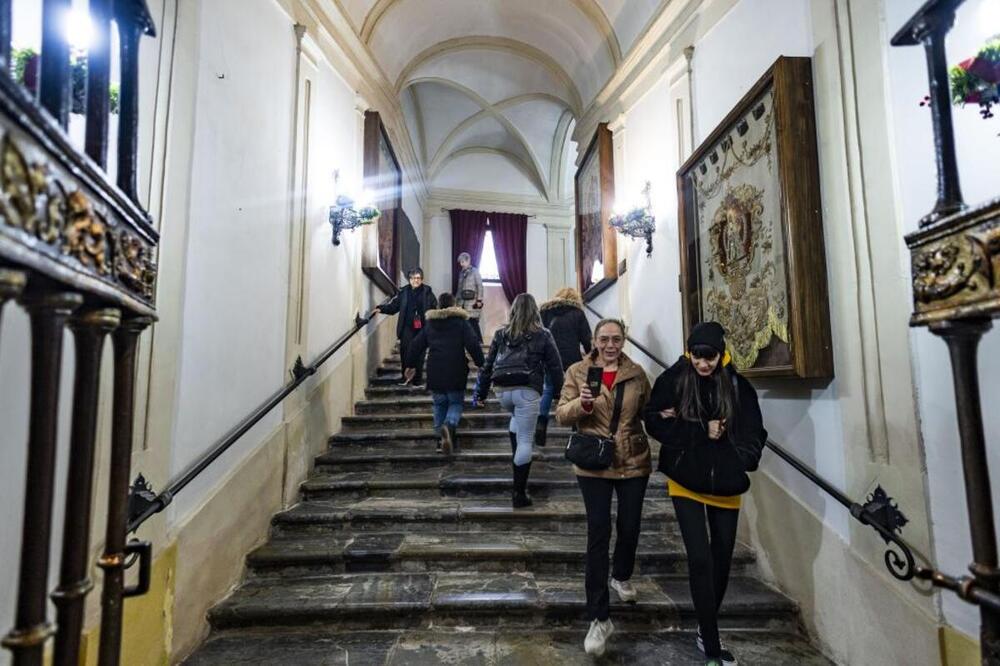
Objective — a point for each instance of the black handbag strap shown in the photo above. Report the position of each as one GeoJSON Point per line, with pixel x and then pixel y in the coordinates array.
{"type": "Point", "coordinates": [617, 413]}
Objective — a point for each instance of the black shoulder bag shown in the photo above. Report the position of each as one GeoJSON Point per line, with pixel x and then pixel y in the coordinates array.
{"type": "Point", "coordinates": [593, 452]}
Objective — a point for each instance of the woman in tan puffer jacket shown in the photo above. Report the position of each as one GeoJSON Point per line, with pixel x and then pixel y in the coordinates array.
{"type": "Point", "coordinates": [626, 477]}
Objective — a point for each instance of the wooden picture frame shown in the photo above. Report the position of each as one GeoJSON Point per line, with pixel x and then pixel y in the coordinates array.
{"type": "Point", "coordinates": [383, 176]}
{"type": "Point", "coordinates": [595, 199]}
{"type": "Point", "coordinates": [751, 230]}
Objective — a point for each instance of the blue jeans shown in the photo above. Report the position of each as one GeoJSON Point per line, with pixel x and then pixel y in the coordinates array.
{"type": "Point", "coordinates": [523, 405]}
{"type": "Point", "coordinates": [447, 407]}
{"type": "Point", "coordinates": [548, 394]}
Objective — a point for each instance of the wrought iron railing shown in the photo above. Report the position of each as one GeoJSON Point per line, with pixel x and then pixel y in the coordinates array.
{"type": "Point", "coordinates": [76, 249]}
{"type": "Point", "coordinates": [878, 512]}
{"type": "Point", "coordinates": [144, 503]}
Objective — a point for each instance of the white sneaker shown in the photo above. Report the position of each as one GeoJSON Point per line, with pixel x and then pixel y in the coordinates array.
{"type": "Point", "coordinates": [597, 638]}
{"type": "Point", "coordinates": [626, 590]}
{"type": "Point", "coordinates": [726, 657]}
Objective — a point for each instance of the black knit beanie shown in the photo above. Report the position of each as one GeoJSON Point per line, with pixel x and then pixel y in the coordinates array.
{"type": "Point", "coordinates": [710, 334]}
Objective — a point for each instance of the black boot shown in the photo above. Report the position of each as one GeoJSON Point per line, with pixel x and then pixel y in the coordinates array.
{"type": "Point", "coordinates": [520, 497]}
{"type": "Point", "coordinates": [445, 444]}
{"type": "Point", "coordinates": [453, 435]}
{"type": "Point", "coordinates": [540, 428]}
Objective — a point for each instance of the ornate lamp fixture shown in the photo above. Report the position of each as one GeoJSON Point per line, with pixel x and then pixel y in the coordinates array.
{"type": "Point", "coordinates": [344, 215]}
{"type": "Point", "coordinates": [638, 222]}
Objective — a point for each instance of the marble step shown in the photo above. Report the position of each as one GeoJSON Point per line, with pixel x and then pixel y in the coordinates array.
{"type": "Point", "coordinates": [496, 552]}
{"type": "Point", "coordinates": [546, 480]}
{"type": "Point", "coordinates": [403, 403]}
{"type": "Point", "coordinates": [451, 514]}
{"type": "Point", "coordinates": [503, 647]}
{"type": "Point", "coordinates": [424, 438]}
{"type": "Point", "coordinates": [433, 599]}
{"type": "Point", "coordinates": [378, 460]}
{"type": "Point", "coordinates": [393, 378]}
{"type": "Point", "coordinates": [472, 419]}
{"type": "Point", "coordinates": [395, 368]}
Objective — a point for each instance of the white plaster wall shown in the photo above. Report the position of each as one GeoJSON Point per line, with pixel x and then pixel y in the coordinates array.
{"type": "Point", "coordinates": [437, 252]}
{"type": "Point", "coordinates": [976, 143]}
{"type": "Point", "coordinates": [233, 340]}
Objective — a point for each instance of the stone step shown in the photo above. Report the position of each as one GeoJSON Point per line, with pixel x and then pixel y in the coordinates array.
{"type": "Point", "coordinates": [495, 600]}
{"type": "Point", "coordinates": [379, 460]}
{"type": "Point", "coordinates": [440, 515]}
{"type": "Point", "coordinates": [395, 368]}
{"type": "Point", "coordinates": [544, 647]}
{"type": "Point", "coordinates": [424, 438]}
{"type": "Point", "coordinates": [391, 390]}
{"type": "Point", "coordinates": [497, 552]}
{"type": "Point", "coordinates": [417, 404]}
{"type": "Point", "coordinates": [546, 480]}
{"type": "Point", "coordinates": [393, 378]}
{"type": "Point", "coordinates": [473, 419]}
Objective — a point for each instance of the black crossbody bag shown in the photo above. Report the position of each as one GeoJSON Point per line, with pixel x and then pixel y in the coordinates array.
{"type": "Point", "coordinates": [592, 452]}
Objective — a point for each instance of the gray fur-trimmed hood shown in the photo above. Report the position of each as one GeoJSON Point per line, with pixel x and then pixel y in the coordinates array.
{"type": "Point", "coordinates": [447, 313]}
{"type": "Point", "coordinates": [560, 303]}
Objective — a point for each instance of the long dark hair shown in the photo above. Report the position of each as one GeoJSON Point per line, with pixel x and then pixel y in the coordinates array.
{"type": "Point", "coordinates": [689, 402]}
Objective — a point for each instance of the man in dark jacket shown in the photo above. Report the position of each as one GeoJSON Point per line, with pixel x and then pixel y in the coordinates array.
{"type": "Point", "coordinates": [447, 337]}
{"type": "Point", "coordinates": [566, 321]}
{"type": "Point", "coordinates": [412, 303]}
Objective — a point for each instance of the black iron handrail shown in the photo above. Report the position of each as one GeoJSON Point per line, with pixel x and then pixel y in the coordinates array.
{"type": "Point", "coordinates": [144, 503]}
{"type": "Point", "coordinates": [879, 512]}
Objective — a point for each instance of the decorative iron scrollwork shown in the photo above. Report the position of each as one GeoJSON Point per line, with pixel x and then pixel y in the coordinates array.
{"type": "Point", "coordinates": [134, 267]}
{"type": "Point", "coordinates": [86, 234]}
{"type": "Point", "coordinates": [948, 268]}
{"type": "Point", "coordinates": [881, 513]}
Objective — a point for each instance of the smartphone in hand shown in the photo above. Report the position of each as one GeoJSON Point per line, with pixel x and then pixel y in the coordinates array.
{"type": "Point", "coordinates": [594, 374]}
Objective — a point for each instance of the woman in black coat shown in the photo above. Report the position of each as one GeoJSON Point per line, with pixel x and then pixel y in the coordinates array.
{"type": "Point", "coordinates": [566, 321]}
{"type": "Point", "coordinates": [707, 419]}
{"type": "Point", "coordinates": [412, 303]}
{"type": "Point", "coordinates": [448, 336]}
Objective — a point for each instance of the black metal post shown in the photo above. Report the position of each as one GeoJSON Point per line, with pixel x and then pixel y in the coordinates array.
{"type": "Point", "coordinates": [54, 86]}
{"type": "Point", "coordinates": [134, 21]}
{"type": "Point", "coordinates": [963, 338]}
{"type": "Point", "coordinates": [48, 316]}
{"type": "Point", "coordinates": [99, 83]}
{"type": "Point", "coordinates": [89, 330]}
{"type": "Point", "coordinates": [126, 339]}
{"type": "Point", "coordinates": [6, 30]}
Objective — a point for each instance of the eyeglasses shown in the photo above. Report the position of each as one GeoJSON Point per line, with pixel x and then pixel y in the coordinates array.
{"type": "Point", "coordinates": [615, 340]}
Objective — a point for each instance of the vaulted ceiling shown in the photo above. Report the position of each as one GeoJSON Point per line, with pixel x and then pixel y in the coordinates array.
{"type": "Point", "coordinates": [491, 89]}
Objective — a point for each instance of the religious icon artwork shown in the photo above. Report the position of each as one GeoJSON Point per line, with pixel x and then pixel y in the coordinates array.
{"type": "Point", "coordinates": [596, 245]}
{"type": "Point", "coordinates": [383, 177]}
{"type": "Point", "coordinates": [751, 233]}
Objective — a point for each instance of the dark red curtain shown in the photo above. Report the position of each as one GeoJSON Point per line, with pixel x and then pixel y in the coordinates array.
{"type": "Point", "coordinates": [468, 231]}
{"type": "Point", "coordinates": [510, 239]}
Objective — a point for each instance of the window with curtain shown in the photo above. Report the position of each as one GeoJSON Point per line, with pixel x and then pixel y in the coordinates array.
{"type": "Point", "coordinates": [488, 261]}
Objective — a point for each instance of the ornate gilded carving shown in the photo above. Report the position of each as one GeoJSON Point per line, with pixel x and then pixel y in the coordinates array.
{"type": "Point", "coordinates": [35, 203]}
{"type": "Point", "coordinates": [86, 234]}
{"type": "Point", "coordinates": [134, 267]}
{"type": "Point", "coordinates": [947, 268]}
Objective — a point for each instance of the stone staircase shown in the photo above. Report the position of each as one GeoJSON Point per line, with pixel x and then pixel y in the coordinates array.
{"type": "Point", "coordinates": [399, 555]}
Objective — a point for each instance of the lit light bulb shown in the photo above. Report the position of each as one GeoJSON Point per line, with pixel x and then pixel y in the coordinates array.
{"type": "Point", "coordinates": [78, 28]}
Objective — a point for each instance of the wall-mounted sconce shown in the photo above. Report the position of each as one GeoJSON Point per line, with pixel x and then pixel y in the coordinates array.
{"type": "Point", "coordinates": [344, 215]}
{"type": "Point", "coordinates": [637, 222]}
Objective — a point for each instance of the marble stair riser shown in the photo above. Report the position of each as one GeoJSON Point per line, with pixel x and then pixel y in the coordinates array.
{"type": "Point", "coordinates": [424, 440]}
{"type": "Point", "coordinates": [376, 461]}
{"type": "Point", "coordinates": [411, 406]}
{"type": "Point", "coordinates": [393, 378]}
{"type": "Point", "coordinates": [471, 421]}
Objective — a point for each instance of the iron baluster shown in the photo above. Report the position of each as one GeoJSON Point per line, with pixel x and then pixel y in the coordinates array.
{"type": "Point", "coordinates": [125, 340]}
{"type": "Point", "coordinates": [99, 82]}
{"type": "Point", "coordinates": [11, 285]}
{"type": "Point", "coordinates": [134, 21]}
{"type": "Point", "coordinates": [6, 25]}
{"type": "Point", "coordinates": [90, 330]}
{"type": "Point", "coordinates": [54, 84]}
{"type": "Point", "coordinates": [48, 314]}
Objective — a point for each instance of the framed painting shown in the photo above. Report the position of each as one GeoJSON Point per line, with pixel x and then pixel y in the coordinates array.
{"type": "Point", "coordinates": [384, 178]}
{"type": "Point", "coordinates": [751, 231]}
{"type": "Point", "coordinates": [596, 245]}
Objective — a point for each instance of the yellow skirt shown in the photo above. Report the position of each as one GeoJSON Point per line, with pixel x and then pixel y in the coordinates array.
{"type": "Point", "coordinates": [675, 489]}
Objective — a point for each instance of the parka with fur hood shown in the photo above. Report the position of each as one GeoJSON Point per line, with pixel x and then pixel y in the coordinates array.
{"type": "Point", "coordinates": [448, 336]}
{"type": "Point", "coordinates": [569, 327]}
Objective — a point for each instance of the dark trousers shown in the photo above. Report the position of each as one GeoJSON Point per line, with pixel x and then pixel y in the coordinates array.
{"type": "Point", "coordinates": [709, 561]}
{"type": "Point", "coordinates": [475, 329]}
{"type": "Point", "coordinates": [405, 340]}
{"type": "Point", "coordinates": [597, 500]}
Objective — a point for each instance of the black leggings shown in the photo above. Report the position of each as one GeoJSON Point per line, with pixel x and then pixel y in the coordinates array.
{"type": "Point", "coordinates": [597, 493]}
{"type": "Point", "coordinates": [708, 563]}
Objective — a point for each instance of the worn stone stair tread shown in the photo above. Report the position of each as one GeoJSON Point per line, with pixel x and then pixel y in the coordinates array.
{"type": "Point", "coordinates": [411, 404]}
{"type": "Point", "coordinates": [384, 596]}
{"type": "Point", "coordinates": [394, 378]}
{"type": "Point", "coordinates": [542, 475]}
{"type": "Point", "coordinates": [318, 647]}
{"type": "Point", "coordinates": [395, 546]}
{"type": "Point", "coordinates": [410, 434]}
{"type": "Point", "coordinates": [472, 420]}
{"type": "Point", "coordinates": [366, 458]}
